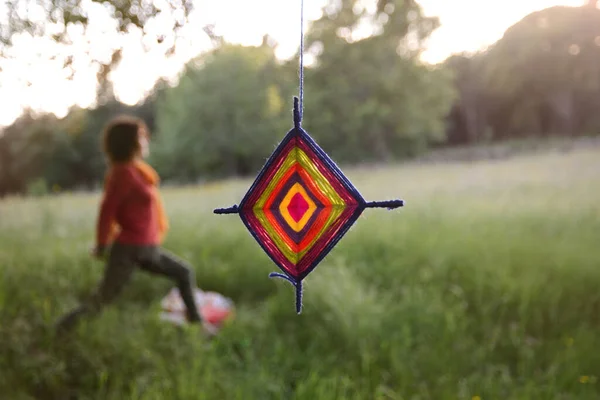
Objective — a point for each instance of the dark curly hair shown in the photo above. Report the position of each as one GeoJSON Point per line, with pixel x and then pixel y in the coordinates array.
{"type": "Point", "coordinates": [121, 142]}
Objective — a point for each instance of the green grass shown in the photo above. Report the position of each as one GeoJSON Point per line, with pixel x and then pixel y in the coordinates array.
{"type": "Point", "coordinates": [486, 284]}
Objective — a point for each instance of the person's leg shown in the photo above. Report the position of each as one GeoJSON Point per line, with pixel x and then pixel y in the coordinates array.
{"type": "Point", "coordinates": [117, 273]}
{"type": "Point", "coordinates": [159, 261]}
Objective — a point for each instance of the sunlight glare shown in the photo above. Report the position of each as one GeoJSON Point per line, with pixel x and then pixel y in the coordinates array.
{"type": "Point", "coordinates": [31, 79]}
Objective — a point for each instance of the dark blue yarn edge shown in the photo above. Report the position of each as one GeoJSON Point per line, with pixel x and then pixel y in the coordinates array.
{"type": "Point", "coordinates": [291, 134]}
{"type": "Point", "coordinates": [297, 285]}
{"type": "Point", "coordinates": [328, 161]}
{"type": "Point", "coordinates": [333, 242]}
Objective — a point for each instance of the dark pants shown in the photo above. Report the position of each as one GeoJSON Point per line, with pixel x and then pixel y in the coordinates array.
{"type": "Point", "coordinates": [122, 261]}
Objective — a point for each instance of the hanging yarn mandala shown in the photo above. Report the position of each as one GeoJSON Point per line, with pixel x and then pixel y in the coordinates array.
{"type": "Point", "coordinates": [300, 204]}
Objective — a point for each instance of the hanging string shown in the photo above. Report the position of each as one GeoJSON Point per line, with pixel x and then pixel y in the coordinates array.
{"type": "Point", "coordinates": [301, 88]}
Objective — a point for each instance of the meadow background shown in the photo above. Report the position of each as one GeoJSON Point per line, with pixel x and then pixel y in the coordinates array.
{"type": "Point", "coordinates": [484, 286]}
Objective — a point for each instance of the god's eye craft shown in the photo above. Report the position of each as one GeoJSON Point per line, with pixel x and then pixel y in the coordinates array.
{"type": "Point", "coordinates": [300, 204]}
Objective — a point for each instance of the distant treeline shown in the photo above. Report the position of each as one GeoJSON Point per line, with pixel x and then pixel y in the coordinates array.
{"type": "Point", "coordinates": [365, 101]}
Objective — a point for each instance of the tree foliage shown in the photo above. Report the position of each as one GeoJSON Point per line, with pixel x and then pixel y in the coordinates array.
{"type": "Point", "coordinates": [228, 108]}
{"type": "Point", "coordinates": [380, 102]}
{"type": "Point", "coordinates": [64, 21]}
{"type": "Point", "coordinates": [542, 78]}
{"type": "Point", "coordinates": [58, 153]}
{"type": "Point", "coordinates": [367, 98]}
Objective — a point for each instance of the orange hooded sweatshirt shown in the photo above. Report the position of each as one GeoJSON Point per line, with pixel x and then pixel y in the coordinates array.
{"type": "Point", "coordinates": [131, 211]}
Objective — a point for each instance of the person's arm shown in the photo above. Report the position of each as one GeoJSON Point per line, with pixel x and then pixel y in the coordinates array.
{"type": "Point", "coordinates": [118, 187]}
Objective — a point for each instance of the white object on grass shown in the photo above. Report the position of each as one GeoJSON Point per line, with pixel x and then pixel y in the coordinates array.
{"type": "Point", "coordinates": [213, 307]}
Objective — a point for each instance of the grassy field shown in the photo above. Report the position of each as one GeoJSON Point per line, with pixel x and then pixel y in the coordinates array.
{"type": "Point", "coordinates": [485, 286]}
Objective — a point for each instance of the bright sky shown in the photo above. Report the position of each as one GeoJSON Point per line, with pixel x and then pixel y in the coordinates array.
{"type": "Point", "coordinates": [31, 79]}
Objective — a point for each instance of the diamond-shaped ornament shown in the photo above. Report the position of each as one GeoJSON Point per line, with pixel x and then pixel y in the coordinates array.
{"type": "Point", "coordinates": [300, 206]}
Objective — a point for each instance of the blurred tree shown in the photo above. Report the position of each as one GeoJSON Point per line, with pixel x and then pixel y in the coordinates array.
{"type": "Point", "coordinates": [368, 95]}
{"type": "Point", "coordinates": [467, 118]}
{"type": "Point", "coordinates": [25, 148]}
{"type": "Point", "coordinates": [230, 107]}
{"type": "Point", "coordinates": [63, 152]}
{"type": "Point", "coordinates": [543, 76]}
{"type": "Point", "coordinates": [65, 20]}
{"type": "Point", "coordinates": [66, 164]}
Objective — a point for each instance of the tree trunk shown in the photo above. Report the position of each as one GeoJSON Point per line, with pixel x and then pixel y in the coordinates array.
{"type": "Point", "coordinates": [471, 122]}
{"type": "Point", "coordinates": [563, 106]}
{"type": "Point", "coordinates": [381, 147]}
